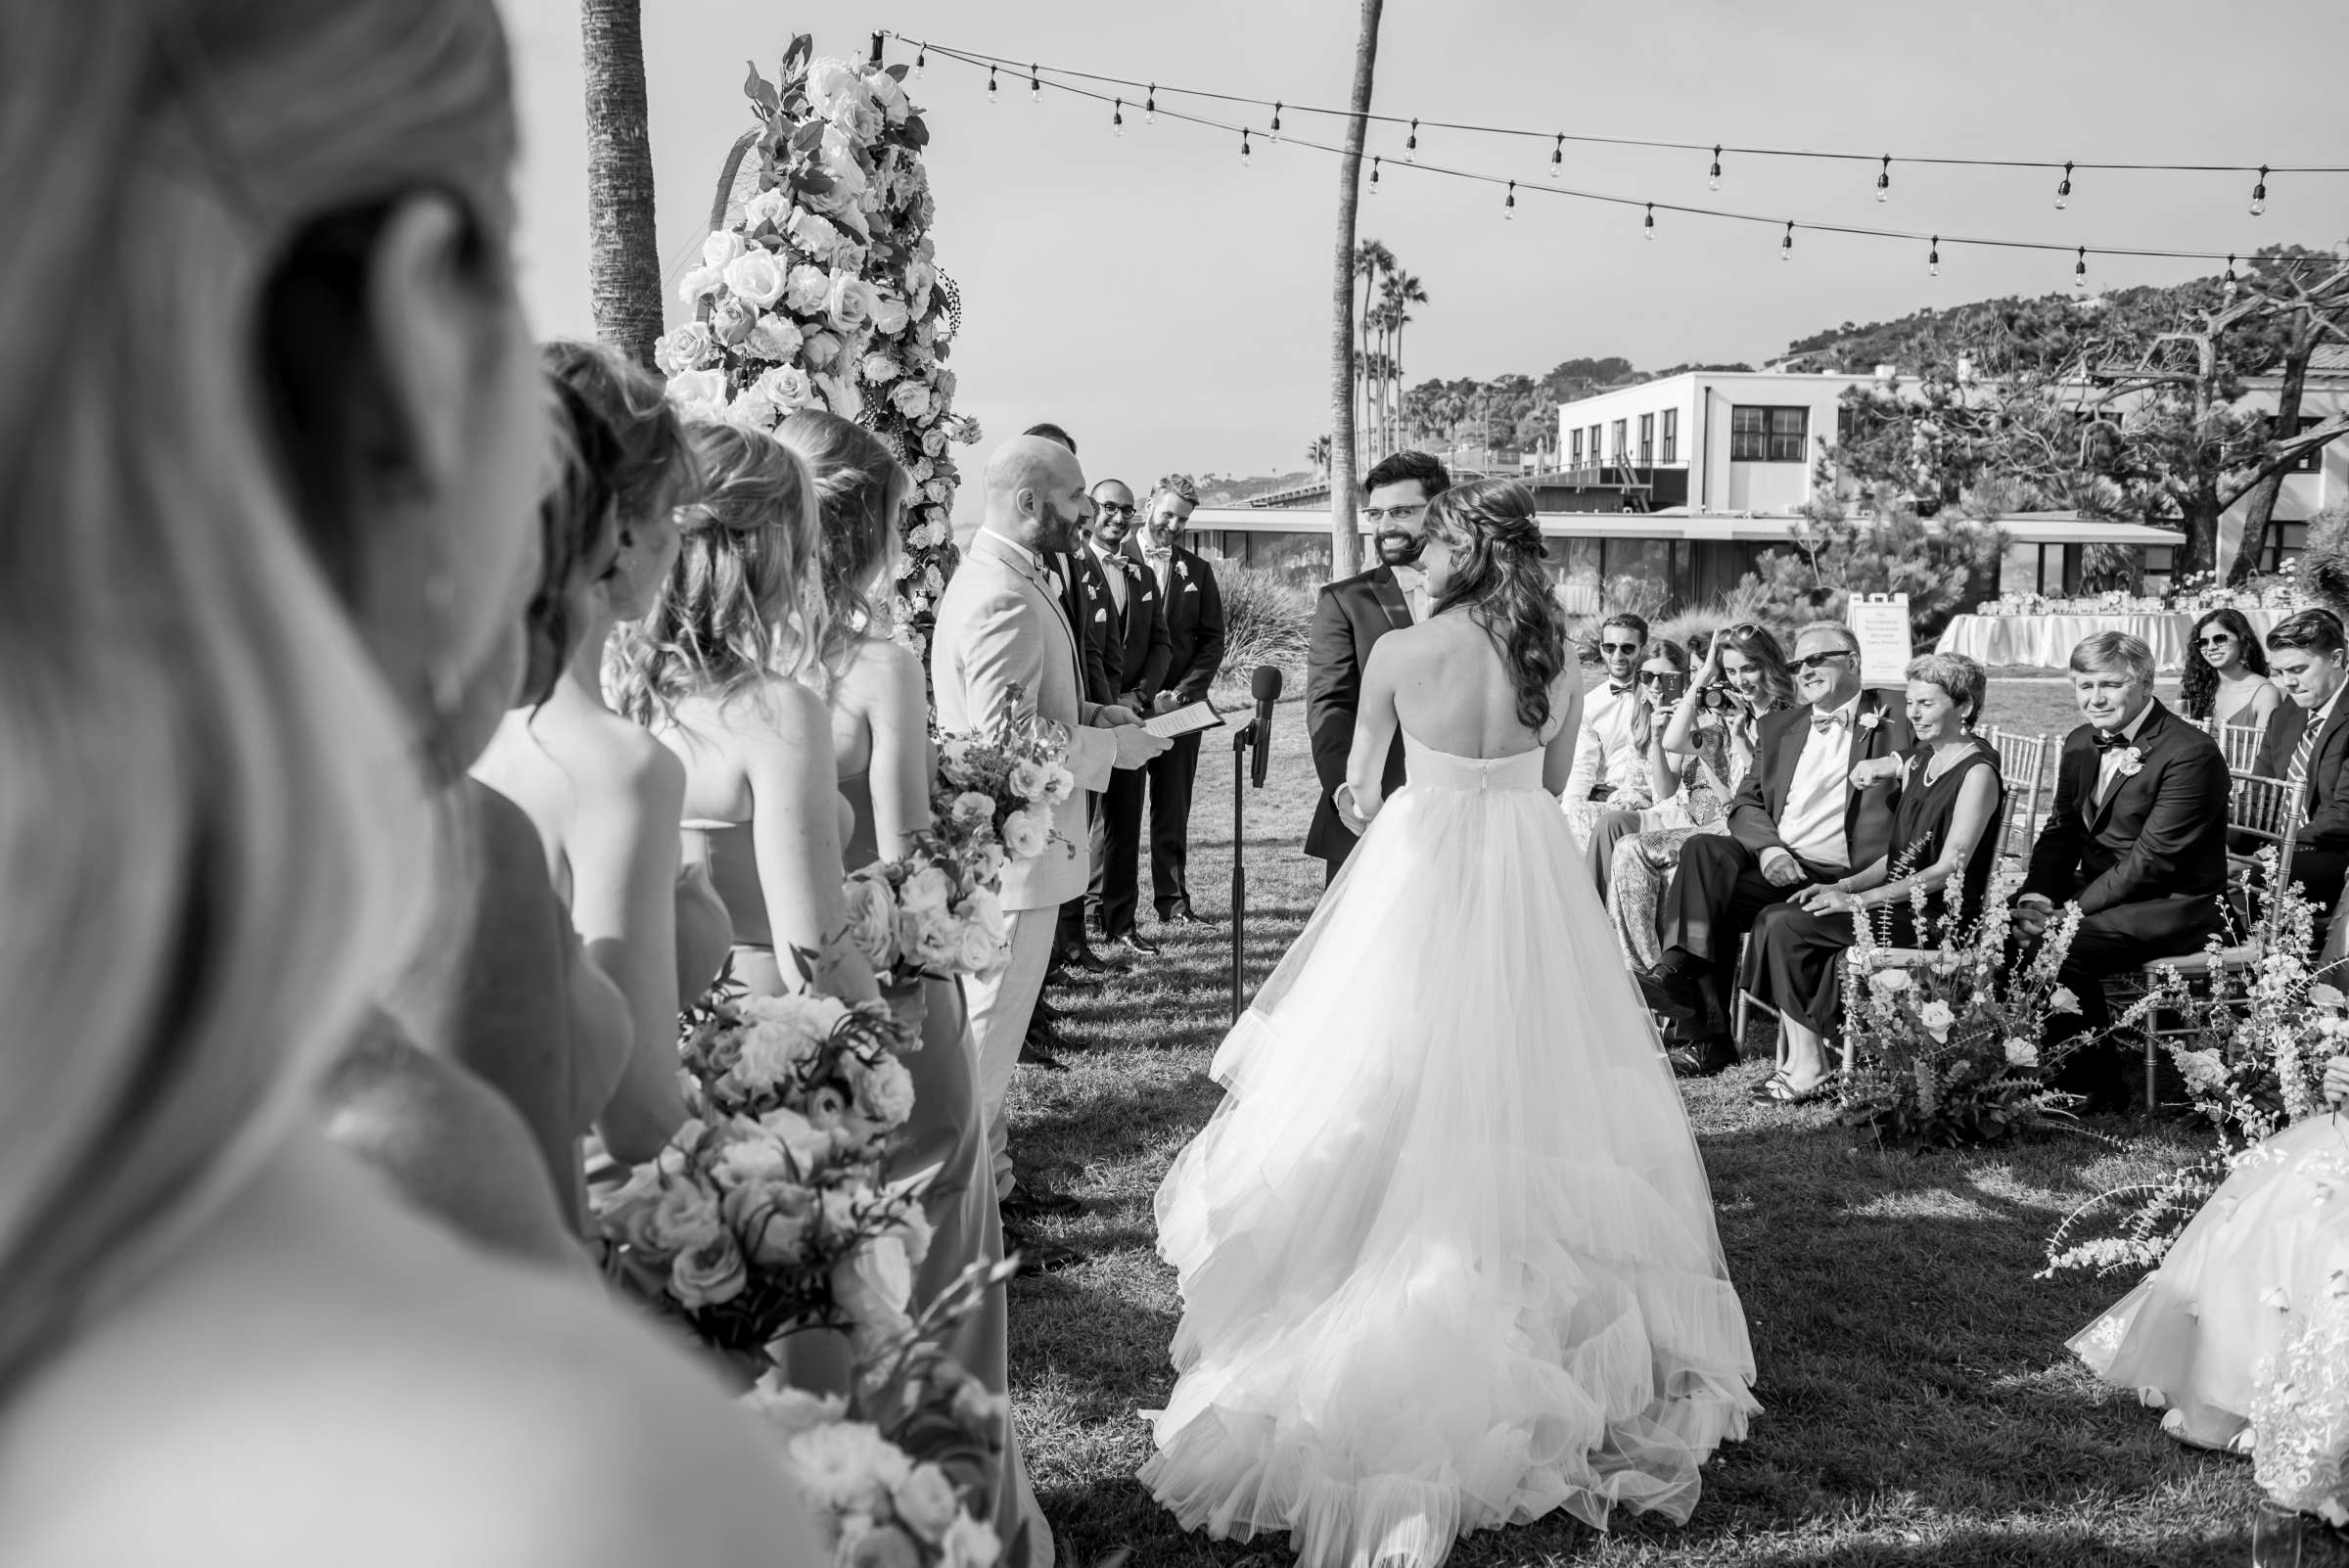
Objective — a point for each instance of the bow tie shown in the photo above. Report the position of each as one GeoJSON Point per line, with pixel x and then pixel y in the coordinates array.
{"type": "Point", "coordinates": [1157, 555]}
{"type": "Point", "coordinates": [1623, 688]}
{"type": "Point", "coordinates": [1821, 724]}
{"type": "Point", "coordinates": [2107, 739]}
{"type": "Point", "coordinates": [1127, 564]}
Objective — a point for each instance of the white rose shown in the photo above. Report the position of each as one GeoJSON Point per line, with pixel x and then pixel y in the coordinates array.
{"type": "Point", "coordinates": [886, 1090]}
{"type": "Point", "coordinates": [926, 889]}
{"type": "Point", "coordinates": [821, 350]}
{"type": "Point", "coordinates": [872, 1286]}
{"type": "Point", "coordinates": [879, 368]}
{"type": "Point", "coordinates": [808, 1147]}
{"type": "Point", "coordinates": [731, 319]}
{"type": "Point", "coordinates": [911, 397]}
{"type": "Point", "coordinates": [1889, 982]}
{"type": "Point", "coordinates": [755, 276]}
{"type": "Point", "coordinates": [846, 1466]}
{"type": "Point", "coordinates": [930, 938]}
{"type": "Point", "coordinates": [700, 282]}
{"type": "Point", "coordinates": [888, 96]}
{"type": "Point", "coordinates": [767, 206]}
{"type": "Point", "coordinates": [934, 441]}
{"type": "Point", "coordinates": [944, 387]}
{"type": "Point", "coordinates": [1059, 784]}
{"type": "Point", "coordinates": [2063, 1001]}
{"type": "Point", "coordinates": [2021, 1053]}
{"type": "Point", "coordinates": [686, 348]}
{"type": "Point", "coordinates": [1937, 1018]}
{"type": "Point", "coordinates": [920, 278]}
{"type": "Point", "coordinates": [722, 249]}
{"type": "Point", "coordinates": [976, 953]}
{"type": "Point", "coordinates": [927, 1502]}
{"type": "Point", "coordinates": [872, 919]}
{"type": "Point", "coordinates": [786, 1411]}
{"type": "Point", "coordinates": [846, 400]}
{"type": "Point", "coordinates": [776, 336]}
{"type": "Point", "coordinates": [970, 1544]}
{"type": "Point", "coordinates": [986, 911]}
{"type": "Point", "coordinates": [848, 305]}
{"type": "Point", "coordinates": [751, 410]}
{"type": "Point", "coordinates": [686, 1217]}
{"type": "Point", "coordinates": [972, 806]}
{"type": "Point", "coordinates": [710, 1275]}
{"type": "Point", "coordinates": [889, 314]}
{"type": "Point", "coordinates": [805, 289]}
{"type": "Point", "coordinates": [698, 393]}
{"type": "Point", "coordinates": [832, 83]}
{"type": "Point", "coordinates": [1025, 835]}
{"type": "Point", "coordinates": [815, 234]}
{"type": "Point", "coordinates": [788, 388]}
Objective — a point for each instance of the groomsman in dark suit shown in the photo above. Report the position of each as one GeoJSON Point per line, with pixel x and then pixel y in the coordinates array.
{"type": "Point", "coordinates": [2308, 743]}
{"type": "Point", "coordinates": [1194, 615]}
{"type": "Point", "coordinates": [1351, 615]}
{"type": "Point", "coordinates": [1817, 805]}
{"type": "Point", "coordinates": [1136, 649]}
{"type": "Point", "coordinates": [2136, 838]}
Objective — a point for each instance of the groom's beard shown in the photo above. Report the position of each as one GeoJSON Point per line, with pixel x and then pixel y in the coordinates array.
{"type": "Point", "coordinates": [1398, 548]}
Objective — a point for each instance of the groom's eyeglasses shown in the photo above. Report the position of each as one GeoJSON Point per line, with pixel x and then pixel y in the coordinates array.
{"type": "Point", "coordinates": [1393, 514]}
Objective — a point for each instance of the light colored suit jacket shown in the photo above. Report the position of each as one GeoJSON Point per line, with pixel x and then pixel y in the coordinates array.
{"type": "Point", "coordinates": [998, 627]}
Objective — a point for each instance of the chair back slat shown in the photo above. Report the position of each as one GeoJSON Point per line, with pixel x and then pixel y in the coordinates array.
{"type": "Point", "coordinates": [2023, 765]}
{"type": "Point", "coordinates": [2241, 743]}
{"type": "Point", "coordinates": [2263, 808]}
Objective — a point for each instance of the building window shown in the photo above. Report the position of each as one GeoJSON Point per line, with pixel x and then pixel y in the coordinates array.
{"type": "Point", "coordinates": [1577, 448]}
{"type": "Point", "coordinates": [1647, 440]}
{"type": "Point", "coordinates": [1622, 438]}
{"type": "Point", "coordinates": [1763, 435]}
{"type": "Point", "coordinates": [2311, 461]}
{"type": "Point", "coordinates": [1672, 435]}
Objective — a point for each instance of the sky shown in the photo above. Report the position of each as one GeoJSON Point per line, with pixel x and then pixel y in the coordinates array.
{"type": "Point", "coordinates": [1172, 309]}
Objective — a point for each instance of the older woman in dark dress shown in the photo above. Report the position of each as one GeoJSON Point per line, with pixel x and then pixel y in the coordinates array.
{"type": "Point", "coordinates": [1950, 793]}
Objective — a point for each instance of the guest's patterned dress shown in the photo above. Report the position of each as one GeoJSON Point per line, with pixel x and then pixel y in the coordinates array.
{"type": "Point", "coordinates": [1643, 862]}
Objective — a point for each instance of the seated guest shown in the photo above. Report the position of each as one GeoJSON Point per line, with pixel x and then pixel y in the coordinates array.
{"type": "Point", "coordinates": [1950, 793]}
{"type": "Point", "coordinates": [2225, 679]}
{"type": "Point", "coordinates": [1637, 790]}
{"type": "Point", "coordinates": [2307, 743]}
{"type": "Point", "coordinates": [2136, 838]}
{"type": "Point", "coordinates": [1607, 757]}
{"type": "Point", "coordinates": [2249, 1282]}
{"type": "Point", "coordinates": [1802, 817]}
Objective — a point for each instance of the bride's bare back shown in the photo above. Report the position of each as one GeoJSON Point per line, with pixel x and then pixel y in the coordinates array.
{"type": "Point", "coordinates": [1446, 682]}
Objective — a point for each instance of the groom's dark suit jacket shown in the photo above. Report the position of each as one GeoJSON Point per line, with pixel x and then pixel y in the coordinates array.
{"type": "Point", "coordinates": [1877, 730]}
{"type": "Point", "coordinates": [2152, 857]}
{"type": "Point", "coordinates": [1348, 617]}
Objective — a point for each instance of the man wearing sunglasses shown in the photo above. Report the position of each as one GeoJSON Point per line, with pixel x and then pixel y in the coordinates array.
{"type": "Point", "coordinates": [1609, 749]}
{"type": "Point", "coordinates": [1349, 617]}
{"type": "Point", "coordinates": [1817, 802]}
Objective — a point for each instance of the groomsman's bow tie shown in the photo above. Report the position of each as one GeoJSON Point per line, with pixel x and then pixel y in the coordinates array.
{"type": "Point", "coordinates": [1623, 688]}
{"type": "Point", "coordinates": [1821, 724]}
{"type": "Point", "coordinates": [2107, 739]}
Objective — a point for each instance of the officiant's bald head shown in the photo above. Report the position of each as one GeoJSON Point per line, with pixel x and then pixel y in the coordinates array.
{"type": "Point", "coordinates": [1035, 493]}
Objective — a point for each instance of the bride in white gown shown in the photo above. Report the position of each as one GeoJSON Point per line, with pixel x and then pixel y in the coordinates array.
{"type": "Point", "coordinates": [1447, 1252]}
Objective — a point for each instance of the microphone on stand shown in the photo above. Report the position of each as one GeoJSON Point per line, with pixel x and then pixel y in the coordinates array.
{"type": "Point", "coordinates": [1263, 684]}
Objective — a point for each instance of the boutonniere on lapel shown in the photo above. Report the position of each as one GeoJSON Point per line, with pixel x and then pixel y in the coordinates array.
{"type": "Point", "coordinates": [2132, 762]}
{"type": "Point", "coordinates": [1183, 569]}
{"type": "Point", "coordinates": [1871, 718]}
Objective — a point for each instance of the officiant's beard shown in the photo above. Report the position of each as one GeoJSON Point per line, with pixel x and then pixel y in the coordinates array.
{"type": "Point", "coordinates": [1398, 548]}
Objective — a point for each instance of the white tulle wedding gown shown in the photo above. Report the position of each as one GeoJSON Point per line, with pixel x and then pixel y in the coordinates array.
{"type": "Point", "coordinates": [1447, 1252]}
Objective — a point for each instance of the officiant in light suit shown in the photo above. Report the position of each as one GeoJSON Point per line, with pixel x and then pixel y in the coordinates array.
{"type": "Point", "coordinates": [999, 628]}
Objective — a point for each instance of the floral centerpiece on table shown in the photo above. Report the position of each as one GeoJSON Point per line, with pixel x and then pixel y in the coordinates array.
{"type": "Point", "coordinates": [823, 291]}
{"type": "Point", "coordinates": [1945, 1039]}
{"type": "Point", "coordinates": [768, 1210]}
{"type": "Point", "coordinates": [2251, 1051]}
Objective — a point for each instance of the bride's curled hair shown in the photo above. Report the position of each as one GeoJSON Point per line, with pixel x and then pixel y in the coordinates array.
{"type": "Point", "coordinates": [1496, 572]}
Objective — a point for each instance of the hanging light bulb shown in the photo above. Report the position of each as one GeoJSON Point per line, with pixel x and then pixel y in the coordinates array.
{"type": "Point", "coordinates": [1557, 156]}
{"type": "Point", "coordinates": [1036, 88]}
{"type": "Point", "coordinates": [1647, 225]}
{"type": "Point", "coordinates": [993, 96]}
{"type": "Point", "coordinates": [1787, 244]}
{"type": "Point", "coordinates": [1374, 163]}
{"type": "Point", "coordinates": [2080, 270]}
{"type": "Point", "coordinates": [1245, 161]}
{"type": "Point", "coordinates": [1884, 180]}
{"type": "Point", "coordinates": [1410, 146]}
{"type": "Point", "coordinates": [2259, 193]}
{"type": "Point", "coordinates": [1150, 106]}
{"type": "Point", "coordinates": [1277, 120]}
{"type": "Point", "coordinates": [1508, 209]}
{"type": "Point", "coordinates": [2230, 284]}
{"type": "Point", "coordinates": [921, 61]}
{"type": "Point", "coordinates": [1116, 116]}
{"type": "Point", "coordinates": [2063, 188]}
{"type": "Point", "coordinates": [1713, 180]}
{"type": "Point", "coordinates": [1933, 258]}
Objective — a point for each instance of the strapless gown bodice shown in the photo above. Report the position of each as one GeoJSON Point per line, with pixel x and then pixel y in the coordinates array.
{"type": "Point", "coordinates": [1429, 768]}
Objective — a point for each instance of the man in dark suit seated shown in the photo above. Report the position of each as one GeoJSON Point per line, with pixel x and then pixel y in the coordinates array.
{"type": "Point", "coordinates": [1817, 805]}
{"type": "Point", "coordinates": [2136, 838]}
{"type": "Point", "coordinates": [1351, 615]}
{"type": "Point", "coordinates": [2307, 744]}
{"type": "Point", "coordinates": [1194, 603]}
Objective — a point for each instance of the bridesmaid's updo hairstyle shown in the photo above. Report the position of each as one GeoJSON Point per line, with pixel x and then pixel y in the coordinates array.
{"type": "Point", "coordinates": [742, 604]}
{"type": "Point", "coordinates": [651, 466]}
{"type": "Point", "coordinates": [211, 810]}
{"type": "Point", "coordinates": [1499, 574]}
{"type": "Point", "coordinates": [859, 486]}
{"type": "Point", "coordinates": [578, 535]}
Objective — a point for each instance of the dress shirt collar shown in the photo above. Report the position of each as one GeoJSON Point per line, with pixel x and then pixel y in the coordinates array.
{"type": "Point", "coordinates": [1848, 715]}
{"type": "Point", "coordinates": [1035, 562]}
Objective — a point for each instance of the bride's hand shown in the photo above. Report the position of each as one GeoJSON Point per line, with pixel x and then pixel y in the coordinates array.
{"type": "Point", "coordinates": [2336, 1081]}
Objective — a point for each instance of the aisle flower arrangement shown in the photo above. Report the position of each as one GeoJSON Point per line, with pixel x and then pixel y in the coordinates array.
{"type": "Point", "coordinates": [823, 291]}
{"type": "Point", "coordinates": [2251, 1051]}
{"type": "Point", "coordinates": [1947, 1039]}
{"type": "Point", "coordinates": [768, 1210]}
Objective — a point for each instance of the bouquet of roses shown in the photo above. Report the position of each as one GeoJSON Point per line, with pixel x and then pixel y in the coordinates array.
{"type": "Point", "coordinates": [1007, 783]}
{"type": "Point", "coordinates": [768, 1210]}
{"type": "Point", "coordinates": [1945, 1039]}
{"type": "Point", "coordinates": [932, 912]}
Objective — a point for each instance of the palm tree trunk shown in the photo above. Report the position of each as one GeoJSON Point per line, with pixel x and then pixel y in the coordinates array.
{"type": "Point", "coordinates": [623, 267]}
{"type": "Point", "coordinates": [1345, 545]}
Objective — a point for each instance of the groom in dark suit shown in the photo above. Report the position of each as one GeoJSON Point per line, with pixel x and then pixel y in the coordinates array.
{"type": "Point", "coordinates": [1349, 617]}
{"type": "Point", "coordinates": [1817, 805]}
{"type": "Point", "coordinates": [2136, 838]}
{"type": "Point", "coordinates": [2307, 744]}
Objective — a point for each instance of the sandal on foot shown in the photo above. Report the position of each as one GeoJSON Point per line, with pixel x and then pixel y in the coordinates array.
{"type": "Point", "coordinates": [1782, 1091]}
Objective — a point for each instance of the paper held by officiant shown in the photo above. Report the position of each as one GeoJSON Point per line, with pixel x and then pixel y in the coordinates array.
{"type": "Point", "coordinates": [1185, 720]}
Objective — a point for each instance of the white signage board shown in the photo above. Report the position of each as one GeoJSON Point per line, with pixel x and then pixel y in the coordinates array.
{"type": "Point", "coordinates": [1880, 621]}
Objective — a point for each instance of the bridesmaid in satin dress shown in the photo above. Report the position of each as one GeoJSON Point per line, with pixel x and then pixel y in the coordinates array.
{"type": "Point", "coordinates": [877, 694]}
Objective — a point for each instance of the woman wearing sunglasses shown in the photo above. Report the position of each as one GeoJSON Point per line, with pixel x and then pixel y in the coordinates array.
{"type": "Point", "coordinates": [1641, 776]}
{"type": "Point", "coordinates": [1704, 750]}
{"type": "Point", "coordinates": [2225, 677]}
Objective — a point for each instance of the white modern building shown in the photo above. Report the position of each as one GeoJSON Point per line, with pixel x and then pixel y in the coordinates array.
{"type": "Point", "coordinates": [1714, 441]}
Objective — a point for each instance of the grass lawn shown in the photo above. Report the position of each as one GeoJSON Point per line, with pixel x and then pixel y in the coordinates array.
{"type": "Point", "coordinates": [1918, 1403]}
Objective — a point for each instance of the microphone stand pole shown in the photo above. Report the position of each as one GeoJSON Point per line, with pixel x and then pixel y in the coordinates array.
{"type": "Point", "coordinates": [1240, 741]}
